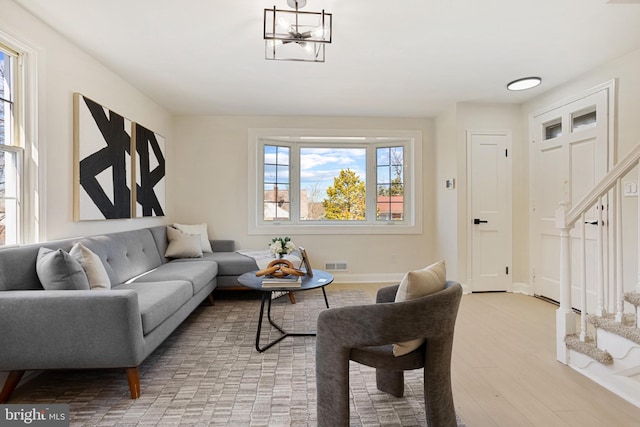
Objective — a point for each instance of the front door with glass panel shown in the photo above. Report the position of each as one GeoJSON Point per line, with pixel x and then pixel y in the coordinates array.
{"type": "Point", "coordinates": [569, 155]}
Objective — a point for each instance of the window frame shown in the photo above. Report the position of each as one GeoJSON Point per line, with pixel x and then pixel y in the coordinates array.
{"type": "Point", "coordinates": [25, 140]}
{"type": "Point", "coordinates": [336, 138]}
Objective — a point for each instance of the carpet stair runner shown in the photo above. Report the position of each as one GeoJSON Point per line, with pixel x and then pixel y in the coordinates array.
{"type": "Point", "coordinates": [628, 328]}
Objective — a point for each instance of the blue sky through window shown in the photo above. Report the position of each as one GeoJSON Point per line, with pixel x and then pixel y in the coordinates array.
{"type": "Point", "coordinates": [319, 167]}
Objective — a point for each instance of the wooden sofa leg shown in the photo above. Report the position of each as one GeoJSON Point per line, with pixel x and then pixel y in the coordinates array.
{"type": "Point", "coordinates": [133, 377]}
{"type": "Point", "coordinates": [292, 297]}
{"type": "Point", "coordinates": [10, 385]}
{"type": "Point", "coordinates": [211, 301]}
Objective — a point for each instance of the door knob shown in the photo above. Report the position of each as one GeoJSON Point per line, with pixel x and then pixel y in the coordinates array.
{"type": "Point", "coordinates": [477, 221]}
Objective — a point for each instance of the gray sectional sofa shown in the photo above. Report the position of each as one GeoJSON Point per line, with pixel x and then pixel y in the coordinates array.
{"type": "Point", "coordinates": [150, 296]}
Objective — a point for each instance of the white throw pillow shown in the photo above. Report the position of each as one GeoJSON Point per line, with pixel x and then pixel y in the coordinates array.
{"type": "Point", "coordinates": [182, 245]}
{"type": "Point", "coordinates": [92, 265]}
{"type": "Point", "coordinates": [416, 284]}
{"type": "Point", "coordinates": [200, 229]}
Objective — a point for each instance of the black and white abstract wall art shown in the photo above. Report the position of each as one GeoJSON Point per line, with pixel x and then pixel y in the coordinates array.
{"type": "Point", "coordinates": [150, 172]}
{"type": "Point", "coordinates": [102, 162]}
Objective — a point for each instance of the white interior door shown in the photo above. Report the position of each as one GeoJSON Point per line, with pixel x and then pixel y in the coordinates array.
{"type": "Point", "coordinates": [490, 210]}
{"type": "Point", "coordinates": [570, 154]}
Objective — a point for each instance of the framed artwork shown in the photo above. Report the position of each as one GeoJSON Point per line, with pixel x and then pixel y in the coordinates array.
{"type": "Point", "coordinates": [102, 162]}
{"type": "Point", "coordinates": [149, 192]}
{"type": "Point", "coordinates": [305, 261]}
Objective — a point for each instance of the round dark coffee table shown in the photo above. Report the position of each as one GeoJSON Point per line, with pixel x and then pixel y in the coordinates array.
{"type": "Point", "coordinates": [320, 279]}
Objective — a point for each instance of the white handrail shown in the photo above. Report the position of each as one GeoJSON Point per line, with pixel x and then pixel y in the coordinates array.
{"type": "Point", "coordinates": [607, 183]}
{"type": "Point", "coordinates": [607, 296]}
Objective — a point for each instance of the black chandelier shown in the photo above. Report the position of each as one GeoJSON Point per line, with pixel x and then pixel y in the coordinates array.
{"type": "Point", "coordinates": [293, 35]}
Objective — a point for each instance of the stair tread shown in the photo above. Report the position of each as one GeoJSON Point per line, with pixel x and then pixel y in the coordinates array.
{"type": "Point", "coordinates": [588, 348]}
{"type": "Point", "coordinates": [632, 298]}
{"type": "Point", "coordinates": [626, 329]}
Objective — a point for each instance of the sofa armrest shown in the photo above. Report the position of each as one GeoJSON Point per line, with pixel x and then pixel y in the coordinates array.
{"type": "Point", "coordinates": [70, 329]}
{"type": "Point", "coordinates": [223, 245]}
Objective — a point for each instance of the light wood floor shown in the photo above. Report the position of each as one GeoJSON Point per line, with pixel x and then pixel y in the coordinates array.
{"type": "Point", "coordinates": [505, 373]}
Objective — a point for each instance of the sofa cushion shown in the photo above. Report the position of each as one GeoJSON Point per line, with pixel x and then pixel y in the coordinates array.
{"type": "Point", "coordinates": [416, 284]}
{"type": "Point", "coordinates": [93, 267]}
{"type": "Point", "coordinates": [199, 229]}
{"type": "Point", "coordinates": [57, 270]}
{"type": "Point", "coordinates": [198, 273]}
{"type": "Point", "coordinates": [182, 245]}
{"type": "Point", "coordinates": [159, 300]}
{"type": "Point", "coordinates": [231, 263]}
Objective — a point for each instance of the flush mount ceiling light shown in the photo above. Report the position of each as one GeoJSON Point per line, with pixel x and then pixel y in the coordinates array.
{"type": "Point", "coordinates": [524, 83]}
{"type": "Point", "coordinates": [292, 35]}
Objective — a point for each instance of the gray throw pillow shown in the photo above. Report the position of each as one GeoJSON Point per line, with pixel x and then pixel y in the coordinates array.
{"type": "Point", "coordinates": [57, 270]}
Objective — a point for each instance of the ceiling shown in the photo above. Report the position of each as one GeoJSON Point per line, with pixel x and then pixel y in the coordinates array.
{"type": "Point", "coordinates": [409, 58]}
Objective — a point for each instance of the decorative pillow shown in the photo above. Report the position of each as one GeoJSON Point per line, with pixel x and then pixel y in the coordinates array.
{"type": "Point", "coordinates": [57, 270]}
{"type": "Point", "coordinates": [92, 265]}
{"type": "Point", "coordinates": [200, 229]}
{"type": "Point", "coordinates": [416, 284]}
{"type": "Point", "coordinates": [182, 245]}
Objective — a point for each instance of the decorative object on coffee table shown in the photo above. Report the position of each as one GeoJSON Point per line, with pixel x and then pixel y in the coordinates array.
{"type": "Point", "coordinates": [281, 246]}
{"type": "Point", "coordinates": [305, 261]}
{"type": "Point", "coordinates": [280, 268]}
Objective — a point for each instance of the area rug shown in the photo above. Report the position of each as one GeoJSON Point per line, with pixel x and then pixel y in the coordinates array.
{"type": "Point", "coordinates": [208, 373]}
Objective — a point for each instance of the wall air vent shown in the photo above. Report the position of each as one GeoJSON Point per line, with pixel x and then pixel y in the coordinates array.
{"type": "Point", "coordinates": [335, 266]}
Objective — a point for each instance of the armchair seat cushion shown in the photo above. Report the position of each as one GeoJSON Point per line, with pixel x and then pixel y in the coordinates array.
{"type": "Point", "coordinates": [382, 355]}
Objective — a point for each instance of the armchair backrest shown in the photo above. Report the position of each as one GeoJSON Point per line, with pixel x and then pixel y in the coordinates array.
{"type": "Point", "coordinates": [429, 317]}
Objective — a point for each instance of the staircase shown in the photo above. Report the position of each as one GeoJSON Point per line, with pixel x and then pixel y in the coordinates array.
{"type": "Point", "coordinates": [603, 341]}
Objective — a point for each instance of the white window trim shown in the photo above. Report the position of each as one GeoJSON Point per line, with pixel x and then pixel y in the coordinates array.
{"type": "Point", "coordinates": [33, 191]}
{"type": "Point", "coordinates": [413, 185]}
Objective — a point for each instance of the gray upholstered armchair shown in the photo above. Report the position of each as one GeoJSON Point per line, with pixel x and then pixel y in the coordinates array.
{"type": "Point", "coordinates": [365, 334]}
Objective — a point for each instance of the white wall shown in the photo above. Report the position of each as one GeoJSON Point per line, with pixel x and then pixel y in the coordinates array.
{"type": "Point", "coordinates": [446, 200]}
{"type": "Point", "coordinates": [63, 70]}
{"type": "Point", "coordinates": [210, 160]}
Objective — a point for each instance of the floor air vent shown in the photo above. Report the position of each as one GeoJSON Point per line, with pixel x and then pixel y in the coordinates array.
{"type": "Point", "coordinates": [335, 266]}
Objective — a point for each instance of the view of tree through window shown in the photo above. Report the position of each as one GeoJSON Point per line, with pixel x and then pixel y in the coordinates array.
{"type": "Point", "coordinates": [346, 198]}
{"type": "Point", "coordinates": [305, 181]}
{"type": "Point", "coordinates": [332, 183]}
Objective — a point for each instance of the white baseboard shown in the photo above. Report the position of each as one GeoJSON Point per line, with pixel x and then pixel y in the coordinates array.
{"type": "Point", "coordinates": [342, 277]}
{"type": "Point", "coordinates": [522, 288]}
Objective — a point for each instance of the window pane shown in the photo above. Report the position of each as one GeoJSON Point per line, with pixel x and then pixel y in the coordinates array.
{"type": "Point", "coordinates": [6, 98]}
{"type": "Point", "coordinates": [276, 183]}
{"type": "Point", "coordinates": [390, 184]}
{"type": "Point", "coordinates": [6, 76]}
{"type": "Point", "coordinates": [333, 183]}
{"type": "Point", "coordinates": [5, 123]}
{"type": "Point", "coordinates": [553, 129]}
{"type": "Point", "coordinates": [583, 119]}
{"type": "Point", "coordinates": [8, 198]}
